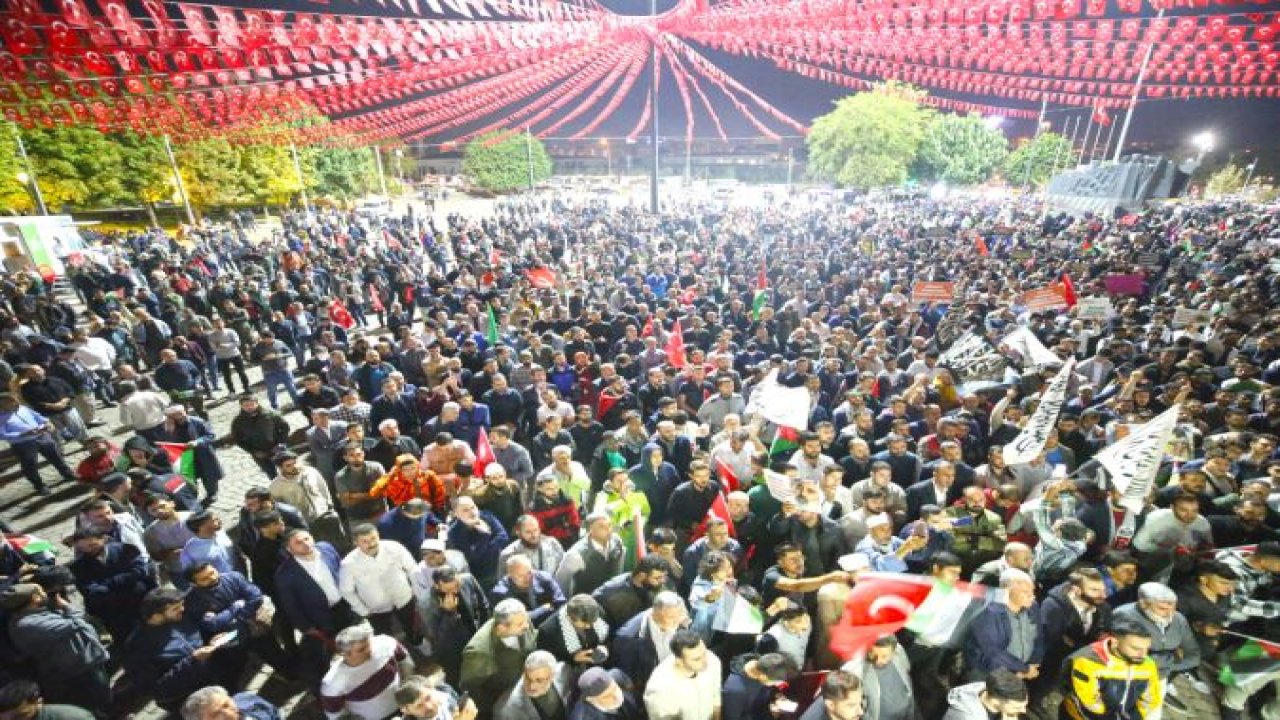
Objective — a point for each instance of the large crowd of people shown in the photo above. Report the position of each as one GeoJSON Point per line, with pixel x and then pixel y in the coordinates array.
{"type": "Point", "coordinates": [520, 467]}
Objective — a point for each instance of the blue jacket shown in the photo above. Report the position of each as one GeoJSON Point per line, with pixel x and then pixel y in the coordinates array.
{"type": "Point", "coordinates": [301, 599]}
{"type": "Point", "coordinates": [480, 549]}
{"type": "Point", "coordinates": [989, 637]}
{"type": "Point", "coordinates": [632, 651]}
{"type": "Point", "coordinates": [115, 585]}
{"type": "Point", "coordinates": [160, 661]}
{"type": "Point", "coordinates": [470, 421]}
{"type": "Point", "coordinates": [409, 532]}
{"type": "Point", "coordinates": [218, 601]}
{"type": "Point", "coordinates": [543, 591]}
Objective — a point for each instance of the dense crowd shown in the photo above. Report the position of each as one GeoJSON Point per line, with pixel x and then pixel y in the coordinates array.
{"type": "Point", "coordinates": [520, 467]}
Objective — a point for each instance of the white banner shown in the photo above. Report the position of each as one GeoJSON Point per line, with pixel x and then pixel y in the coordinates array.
{"type": "Point", "coordinates": [1029, 348]}
{"type": "Point", "coordinates": [1097, 309]}
{"type": "Point", "coordinates": [1133, 462]}
{"type": "Point", "coordinates": [780, 405]}
{"type": "Point", "coordinates": [972, 358]}
{"type": "Point", "coordinates": [1031, 440]}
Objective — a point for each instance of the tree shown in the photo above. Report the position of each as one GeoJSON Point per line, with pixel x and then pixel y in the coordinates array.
{"type": "Point", "coordinates": [145, 171]}
{"type": "Point", "coordinates": [13, 196]}
{"type": "Point", "coordinates": [1037, 160]}
{"type": "Point", "coordinates": [870, 139]}
{"type": "Point", "coordinates": [961, 150]}
{"type": "Point", "coordinates": [1227, 181]}
{"type": "Point", "coordinates": [77, 166]}
{"type": "Point", "coordinates": [343, 174]}
{"type": "Point", "coordinates": [269, 174]}
{"type": "Point", "coordinates": [211, 173]}
{"type": "Point", "coordinates": [500, 161]}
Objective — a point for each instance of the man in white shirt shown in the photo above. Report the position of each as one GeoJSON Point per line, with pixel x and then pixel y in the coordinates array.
{"type": "Point", "coordinates": [686, 685]}
{"type": "Point", "coordinates": [142, 411]}
{"type": "Point", "coordinates": [375, 582]}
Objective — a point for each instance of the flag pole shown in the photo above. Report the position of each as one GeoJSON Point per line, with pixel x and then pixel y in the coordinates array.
{"type": "Point", "coordinates": [1084, 144]}
{"type": "Point", "coordinates": [1258, 640]}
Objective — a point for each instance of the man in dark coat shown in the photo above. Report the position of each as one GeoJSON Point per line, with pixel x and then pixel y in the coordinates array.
{"type": "Point", "coordinates": [632, 650]}
{"type": "Point", "coordinates": [314, 608]}
{"type": "Point", "coordinates": [112, 577]}
{"type": "Point", "coordinates": [198, 434]}
{"type": "Point", "coordinates": [535, 589]}
{"type": "Point", "coordinates": [1073, 614]}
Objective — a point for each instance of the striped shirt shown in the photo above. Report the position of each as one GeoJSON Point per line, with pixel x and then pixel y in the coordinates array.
{"type": "Point", "coordinates": [1249, 582]}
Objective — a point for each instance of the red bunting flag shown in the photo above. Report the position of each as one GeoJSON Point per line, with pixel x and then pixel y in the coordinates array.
{"type": "Point", "coordinates": [980, 244]}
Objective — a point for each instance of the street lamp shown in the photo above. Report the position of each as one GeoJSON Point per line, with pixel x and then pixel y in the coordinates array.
{"type": "Point", "coordinates": [1203, 142]}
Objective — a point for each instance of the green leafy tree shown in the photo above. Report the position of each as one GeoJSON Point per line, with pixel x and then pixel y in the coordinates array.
{"type": "Point", "coordinates": [77, 166]}
{"type": "Point", "coordinates": [961, 150]}
{"type": "Point", "coordinates": [502, 164]}
{"type": "Point", "coordinates": [145, 171]}
{"type": "Point", "coordinates": [211, 173]}
{"type": "Point", "coordinates": [1227, 181]}
{"type": "Point", "coordinates": [269, 174]}
{"type": "Point", "coordinates": [870, 139]}
{"type": "Point", "coordinates": [342, 174]}
{"type": "Point", "coordinates": [1037, 160]}
{"type": "Point", "coordinates": [14, 198]}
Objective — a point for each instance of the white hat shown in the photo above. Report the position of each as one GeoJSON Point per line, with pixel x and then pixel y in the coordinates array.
{"type": "Point", "coordinates": [853, 562]}
{"type": "Point", "coordinates": [877, 520]}
{"type": "Point", "coordinates": [433, 544]}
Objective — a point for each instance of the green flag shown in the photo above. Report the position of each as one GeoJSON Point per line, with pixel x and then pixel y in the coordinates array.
{"type": "Point", "coordinates": [762, 293]}
{"type": "Point", "coordinates": [491, 328]}
{"type": "Point", "coordinates": [1251, 666]}
{"type": "Point", "coordinates": [786, 440]}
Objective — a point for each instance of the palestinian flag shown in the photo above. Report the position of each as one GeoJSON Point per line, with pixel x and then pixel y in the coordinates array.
{"type": "Point", "coordinates": [737, 616]}
{"type": "Point", "coordinates": [182, 457]}
{"type": "Point", "coordinates": [491, 334]}
{"type": "Point", "coordinates": [1251, 666]}
{"type": "Point", "coordinates": [29, 545]}
{"type": "Point", "coordinates": [762, 293]}
{"type": "Point", "coordinates": [786, 440]}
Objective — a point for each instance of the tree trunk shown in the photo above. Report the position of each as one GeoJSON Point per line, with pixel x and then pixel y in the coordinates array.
{"type": "Point", "coordinates": [151, 214]}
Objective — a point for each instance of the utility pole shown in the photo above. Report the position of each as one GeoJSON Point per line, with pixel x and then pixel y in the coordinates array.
{"type": "Point", "coordinates": [302, 182]}
{"type": "Point", "coordinates": [1137, 90]}
{"type": "Point", "coordinates": [31, 172]}
{"type": "Point", "coordinates": [528, 153]}
{"type": "Point", "coordinates": [1026, 175]}
{"type": "Point", "coordinates": [382, 177]}
{"type": "Point", "coordinates": [177, 178]}
{"type": "Point", "coordinates": [653, 103]}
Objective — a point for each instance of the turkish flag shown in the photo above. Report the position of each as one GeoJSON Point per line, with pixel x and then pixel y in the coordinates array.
{"type": "Point", "coordinates": [879, 604]}
{"type": "Point", "coordinates": [719, 509]}
{"type": "Point", "coordinates": [541, 278]}
{"type": "Point", "coordinates": [675, 346]}
{"type": "Point", "coordinates": [727, 477]}
{"type": "Point", "coordinates": [1069, 291]}
{"type": "Point", "coordinates": [484, 453]}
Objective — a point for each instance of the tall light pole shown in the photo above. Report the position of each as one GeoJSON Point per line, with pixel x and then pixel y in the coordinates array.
{"type": "Point", "coordinates": [653, 103]}
{"type": "Point", "coordinates": [608, 157]}
{"type": "Point", "coordinates": [177, 179]}
{"type": "Point", "coordinates": [528, 153]}
{"type": "Point", "coordinates": [1137, 90]}
{"type": "Point", "coordinates": [32, 181]}
{"type": "Point", "coordinates": [382, 176]}
{"type": "Point", "coordinates": [302, 182]}
{"type": "Point", "coordinates": [1203, 142]}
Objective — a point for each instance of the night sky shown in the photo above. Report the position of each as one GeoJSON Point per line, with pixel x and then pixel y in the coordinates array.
{"type": "Point", "coordinates": [1161, 124]}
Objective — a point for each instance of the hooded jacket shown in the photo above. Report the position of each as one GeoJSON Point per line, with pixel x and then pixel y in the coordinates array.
{"type": "Point", "coordinates": [964, 704]}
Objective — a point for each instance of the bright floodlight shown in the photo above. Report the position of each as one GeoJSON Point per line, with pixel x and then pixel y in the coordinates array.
{"type": "Point", "coordinates": [1203, 141]}
{"type": "Point", "coordinates": [994, 121]}
{"type": "Point", "coordinates": [938, 192]}
{"type": "Point", "coordinates": [24, 178]}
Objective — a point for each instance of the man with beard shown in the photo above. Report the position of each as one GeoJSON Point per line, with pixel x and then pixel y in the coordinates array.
{"type": "Point", "coordinates": [1074, 615]}
{"type": "Point", "coordinates": [626, 595]}
{"type": "Point", "coordinates": [979, 532]}
{"type": "Point", "coordinates": [606, 695]}
{"type": "Point", "coordinates": [1114, 677]}
{"type": "Point", "coordinates": [542, 692]}
{"type": "Point", "coordinates": [841, 698]}
{"type": "Point", "coordinates": [544, 553]}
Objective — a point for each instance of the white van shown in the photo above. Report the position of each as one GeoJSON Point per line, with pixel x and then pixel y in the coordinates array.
{"type": "Point", "coordinates": [374, 206]}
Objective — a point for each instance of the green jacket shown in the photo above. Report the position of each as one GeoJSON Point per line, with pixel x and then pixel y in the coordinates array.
{"type": "Point", "coordinates": [985, 536]}
{"type": "Point", "coordinates": [490, 668]}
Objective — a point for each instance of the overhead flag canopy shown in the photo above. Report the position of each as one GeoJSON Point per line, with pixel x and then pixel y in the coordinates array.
{"type": "Point", "coordinates": [371, 71]}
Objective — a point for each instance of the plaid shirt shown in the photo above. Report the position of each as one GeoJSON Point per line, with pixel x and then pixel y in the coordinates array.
{"type": "Point", "coordinates": [1249, 582]}
{"type": "Point", "coordinates": [357, 414]}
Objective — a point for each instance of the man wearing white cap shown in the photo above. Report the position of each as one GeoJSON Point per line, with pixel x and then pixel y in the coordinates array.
{"type": "Point", "coordinates": [884, 551]}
